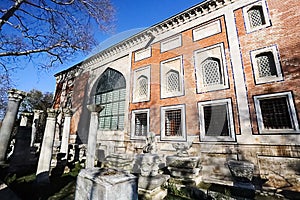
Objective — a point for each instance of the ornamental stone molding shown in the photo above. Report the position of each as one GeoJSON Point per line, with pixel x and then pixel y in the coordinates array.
{"type": "Point", "coordinates": [52, 113]}
{"type": "Point", "coordinates": [16, 95]}
{"type": "Point", "coordinates": [148, 35]}
{"type": "Point", "coordinates": [68, 112]}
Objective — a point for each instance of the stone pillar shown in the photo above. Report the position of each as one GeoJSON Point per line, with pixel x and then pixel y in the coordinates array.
{"type": "Point", "coordinates": [92, 138]}
{"type": "Point", "coordinates": [35, 123]}
{"type": "Point", "coordinates": [43, 167]}
{"type": "Point", "coordinates": [15, 97]}
{"type": "Point", "coordinates": [66, 133]}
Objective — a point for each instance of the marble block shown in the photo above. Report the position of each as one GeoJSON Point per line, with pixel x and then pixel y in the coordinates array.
{"type": "Point", "coordinates": [105, 184]}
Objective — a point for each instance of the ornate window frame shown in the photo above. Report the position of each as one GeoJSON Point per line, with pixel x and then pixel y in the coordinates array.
{"type": "Point", "coordinates": [215, 52]}
{"type": "Point", "coordinates": [266, 79]}
{"type": "Point", "coordinates": [166, 68]}
{"type": "Point", "coordinates": [143, 72]}
{"type": "Point", "coordinates": [267, 22]}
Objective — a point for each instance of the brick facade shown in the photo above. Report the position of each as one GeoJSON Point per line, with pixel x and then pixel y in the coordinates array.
{"type": "Point", "coordinates": [242, 87]}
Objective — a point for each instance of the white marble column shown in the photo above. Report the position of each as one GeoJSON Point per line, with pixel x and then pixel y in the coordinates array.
{"type": "Point", "coordinates": [43, 167]}
{"type": "Point", "coordinates": [35, 123]}
{"type": "Point", "coordinates": [15, 97]}
{"type": "Point", "coordinates": [92, 138]}
{"type": "Point", "coordinates": [66, 132]}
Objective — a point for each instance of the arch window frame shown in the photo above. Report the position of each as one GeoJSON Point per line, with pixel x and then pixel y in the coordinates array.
{"type": "Point", "coordinates": [217, 54]}
{"type": "Point", "coordinates": [143, 72]}
{"type": "Point", "coordinates": [112, 97]}
{"type": "Point", "coordinates": [249, 18]}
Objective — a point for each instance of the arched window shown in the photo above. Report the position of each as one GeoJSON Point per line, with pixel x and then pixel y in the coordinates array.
{"type": "Point", "coordinates": [256, 16]}
{"type": "Point", "coordinates": [142, 86]}
{"type": "Point", "coordinates": [110, 93]}
{"type": "Point", "coordinates": [211, 72]}
{"type": "Point", "coordinates": [266, 64]}
{"type": "Point", "coordinates": [172, 80]}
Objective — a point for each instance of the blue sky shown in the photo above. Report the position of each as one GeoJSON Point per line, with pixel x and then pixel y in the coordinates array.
{"type": "Point", "coordinates": [131, 15]}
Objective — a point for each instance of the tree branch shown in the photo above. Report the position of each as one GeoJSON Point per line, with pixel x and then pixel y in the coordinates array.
{"type": "Point", "coordinates": [10, 12]}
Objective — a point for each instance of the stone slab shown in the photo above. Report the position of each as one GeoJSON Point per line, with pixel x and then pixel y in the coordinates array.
{"type": "Point", "coordinates": [152, 182]}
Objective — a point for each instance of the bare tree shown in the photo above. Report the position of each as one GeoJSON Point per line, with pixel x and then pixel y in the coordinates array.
{"type": "Point", "coordinates": [48, 32]}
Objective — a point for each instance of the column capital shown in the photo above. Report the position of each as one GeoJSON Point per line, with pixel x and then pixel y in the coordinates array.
{"type": "Point", "coordinates": [37, 112]}
{"type": "Point", "coordinates": [26, 113]}
{"type": "Point", "coordinates": [52, 113]}
{"type": "Point", "coordinates": [16, 95]}
{"type": "Point", "coordinates": [95, 108]}
{"type": "Point", "coordinates": [67, 112]}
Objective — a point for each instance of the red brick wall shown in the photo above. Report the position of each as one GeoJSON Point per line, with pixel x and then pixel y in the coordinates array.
{"type": "Point", "coordinates": [190, 98]}
{"type": "Point", "coordinates": [283, 32]}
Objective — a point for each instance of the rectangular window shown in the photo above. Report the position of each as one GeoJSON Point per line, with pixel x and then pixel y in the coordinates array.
{"type": "Point", "coordinates": [276, 113]}
{"type": "Point", "coordinates": [216, 120]}
{"type": "Point", "coordinates": [173, 123]}
{"type": "Point", "coordinates": [139, 123]}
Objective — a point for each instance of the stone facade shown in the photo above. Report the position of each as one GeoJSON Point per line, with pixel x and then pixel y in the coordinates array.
{"type": "Point", "coordinates": [209, 75]}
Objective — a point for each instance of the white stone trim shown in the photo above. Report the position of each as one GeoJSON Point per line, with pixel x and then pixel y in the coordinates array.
{"type": "Point", "coordinates": [292, 112]}
{"type": "Point", "coordinates": [142, 54]}
{"type": "Point", "coordinates": [207, 30]}
{"type": "Point", "coordinates": [133, 113]}
{"type": "Point", "coordinates": [171, 43]}
{"type": "Point", "coordinates": [143, 71]}
{"type": "Point", "coordinates": [216, 51]}
{"type": "Point", "coordinates": [274, 51]}
{"type": "Point", "coordinates": [183, 123]}
{"type": "Point", "coordinates": [248, 27]}
{"type": "Point", "coordinates": [228, 104]}
{"type": "Point", "coordinates": [165, 67]}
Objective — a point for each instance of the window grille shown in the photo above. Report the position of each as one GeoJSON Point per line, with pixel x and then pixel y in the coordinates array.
{"type": "Point", "coordinates": [141, 126]}
{"type": "Point", "coordinates": [143, 86]}
{"type": "Point", "coordinates": [173, 123]}
{"type": "Point", "coordinates": [211, 71]}
{"type": "Point", "coordinates": [256, 16]}
{"type": "Point", "coordinates": [266, 64]}
{"type": "Point", "coordinates": [275, 113]}
{"type": "Point", "coordinates": [216, 120]}
{"type": "Point", "coordinates": [111, 94]}
{"type": "Point", "coordinates": [173, 81]}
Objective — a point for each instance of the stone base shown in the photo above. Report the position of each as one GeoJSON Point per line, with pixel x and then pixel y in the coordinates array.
{"type": "Point", "coordinates": [155, 194]}
{"type": "Point", "coordinates": [105, 184]}
{"type": "Point", "coordinates": [185, 181]}
{"type": "Point", "coordinates": [184, 173]}
{"type": "Point", "coordinates": [152, 182]}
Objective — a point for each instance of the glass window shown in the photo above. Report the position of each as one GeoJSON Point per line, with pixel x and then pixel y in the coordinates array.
{"type": "Point", "coordinates": [211, 70]}
{"type": "Point", "coordinates": [139, 123]}
{"type": "Point", "coordinates": [266, 64]}
{"type": "Point", "coordinates": [110, 93]}
{"type": "Point", "coordinates": [173, 81]}
{"type": "Point", "coordinates": [256, 16]}
{"type": "Point", "coordinates": [173, 123]}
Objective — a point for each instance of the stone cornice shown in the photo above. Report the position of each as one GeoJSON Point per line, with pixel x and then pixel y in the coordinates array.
{"type": "Point", "coordinates": [146, 35]}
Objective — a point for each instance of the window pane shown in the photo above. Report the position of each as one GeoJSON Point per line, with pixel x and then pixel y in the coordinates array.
{"type": "Point", "coordinates": [211, 71]}
{"type": "Point", "coordinates": [266, 64]}
{"type": "Point", "coordinates": [216, 120]}
{"type": "Point", "coordinates": [114, 123]}
{"type": "Point", "coordinates": [275, 113]}
{"type": "Point", "coordinates": [141, 124]}
{"type": "Point", "coordinates": [256, 16]}
{"type": "Point", "coordinates": [121, 123]}
{"type": "Point", "coordinates": [173, 81]}
{"type": "Point", "coordinates": [173, 123]}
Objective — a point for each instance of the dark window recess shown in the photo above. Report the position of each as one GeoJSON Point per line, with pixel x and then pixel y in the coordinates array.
{"type": "Point", "coordinates": [256, 16]}
{"type": "Point", "coordinates": [173, 123]}
{"type": "Point", "coordinates": [141, 124]}
{"type": "Point", "coordinates": [266, 64]}
{"type": "Point", "coordinates": [216, 120]}
{"type": "Point", "coordinates": [275, 113]}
